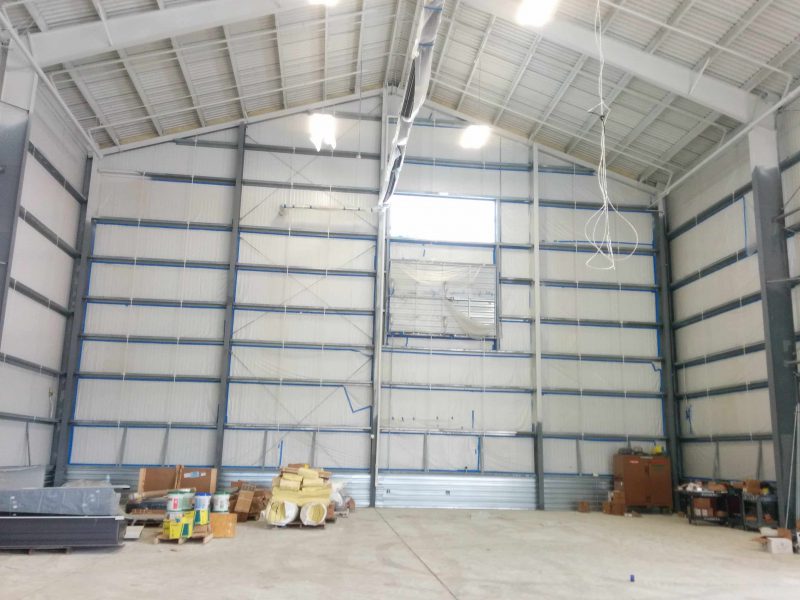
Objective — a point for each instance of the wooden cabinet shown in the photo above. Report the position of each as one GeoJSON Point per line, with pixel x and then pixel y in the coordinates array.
{"type": "Point", "coordinates": [646, 480]}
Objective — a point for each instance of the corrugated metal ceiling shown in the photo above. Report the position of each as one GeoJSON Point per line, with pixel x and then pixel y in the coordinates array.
{"type": "Point", "coordinates": [484, 67]}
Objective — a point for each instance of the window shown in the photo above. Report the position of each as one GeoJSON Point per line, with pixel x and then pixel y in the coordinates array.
{"type": "Point", "coordinates": [442, 219]}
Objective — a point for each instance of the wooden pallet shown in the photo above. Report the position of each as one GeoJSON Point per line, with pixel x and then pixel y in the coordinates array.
{"type": "Point", "coordinates": [299, 525]}
{"type": "Point", "coordinates": [203, 538]}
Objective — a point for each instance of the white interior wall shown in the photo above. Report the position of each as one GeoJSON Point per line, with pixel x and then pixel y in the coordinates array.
{"type": "Point", "coordinates": [300, 366]}
{"type": "Point", "coordinates": [41, 271]}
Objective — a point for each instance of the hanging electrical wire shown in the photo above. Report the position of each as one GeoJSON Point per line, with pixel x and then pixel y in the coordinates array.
{"type": "Point", "coordinates": [598, 227]}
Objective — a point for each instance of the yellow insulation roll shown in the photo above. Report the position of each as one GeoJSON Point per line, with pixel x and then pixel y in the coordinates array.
{"type": "Point", "coordinates": [281, 513]}
{"type": "Point", "coordinates": [313, 514]}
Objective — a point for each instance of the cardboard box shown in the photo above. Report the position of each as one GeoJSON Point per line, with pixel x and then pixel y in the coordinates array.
{"type": "Point", "coordinates": [779, 546]}
{"type": "Point", "coordinates": [201, 479]}
{"type": "Point", "coordinates": [618, 509]}
{"type": "Point", "coordinates": [583, 506]}
{"type": "Point", "coordinates": [752, 486]}
{"type": "Point", "coordinates": [717, 487]}
{"type": "Point", "coordinates": [702, 507]}
{"type": "Point", "coordinates": [619, 484]}
{"type": "Point", "coordinates": [607, 508]}
{"type": "Point", "coordinates": [223, 525]}
{"type": "Point", "coordinates": [243, 501]}
{"type": "Point", "coordinates": [618, 496]}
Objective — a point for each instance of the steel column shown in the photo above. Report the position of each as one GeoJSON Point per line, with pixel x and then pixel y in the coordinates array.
{"type": "Point", "coordinates": [670, 408]}
{"type": "Point", "coordinates": [70, 354]}
{"type": "Point", "coordinates": [230, 295]}
{"type": "Point", "coordinates": [536, 331]}
{"type": "Point", "coordinates": [776, 302]}
{"type": "Point", "coordinates": [377, 326]}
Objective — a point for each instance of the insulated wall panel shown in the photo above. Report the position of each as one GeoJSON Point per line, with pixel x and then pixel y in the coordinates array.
{"type": "Point", "coordinates": [26, 392]}
{"type": "Point", "coordinates": [476, 370]}
{"type": "Point", "coordinates": [153, 359]}
{"type": "Point", "coordinates": [298, 289]}
{"type": "Point", "coordinates": [167, 243]}
{"type": "Point", "coordinates": [250, 362]}
{"type": "Point", "coordinates": [737, 371]}
{"type": "Point", "coordinates": [571, 413]}
{"type": "Point", "coordinates": [24, 444]}
{"type": "Point", "coordinates": [52, 204]}
{"type": "Point", "coordinates": [726, 414]}
{"type": "Point", "coordinates": [601, 375]}
{"type": "Point", "coordinates": [41, 265]}
{"type": "Point", "coordinates": [163, 321]}
{"type": "Point", "coordinates": [507, 455]}
{"type": "Point", "coordinates": [132, 197]}
{"type": "Point", "coordinates": [307, 251]}
{"type": "Point", "coordinates": [294, 405]}
{"type": "Point", "coordinates": [32, 331]}
{"type": "Point", "coordinates": [728, 284]}
{"type": "Point", "coordinates": [570, 302]}
{"type": "Point", "coordinates": [156, 401]}
{"type": "Point", "coordinates": [157, 283]}
{"type": "Point", "coordinates": [302, 327]}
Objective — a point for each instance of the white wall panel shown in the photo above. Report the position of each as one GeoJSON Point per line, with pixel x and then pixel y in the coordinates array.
{"type": "Point", "coordinates": [597, 458]}
{"type": "Point", "coordinates": [309, 328]}
{"type": "Point", "coordinates": [32, 331]}
{"type": "Point", "coordinates": [721, 177]}
{"type": "Point", "coordinates": [572, 266]}
{"type": "Point", "coordinates": [453, 410]}
{"type": "Point", "coordinates": [342, 450]}
{"type": "Point", "coordinates": [767, 461]}
{"type": "Point", "coordinates": [315, 210]}
{"type": "Point", "coordinates": [312, 365]}
{"type": "Point", "coordinates": [191, 447]}
{"type": "Point", "coordinates": [515, 264]}
{"type": "Point", "coordinates": [569, 225]}
{"type": "Point", "coordinates": [602, 415]}
{"type": "Point", "coordinates": [175, 159]}
{"type": "Point", "coordinates": [285, 447]}
{"type": "Point", "coordinates": [17, 450]}
{"type": "Point", "coordinates": [158, 283]}
{"type": "Point", "coordinates": [515, 337]}
{"type": "Point", "coordinates": [508, 455]}
{"type": "Point", "coordinates": [722, 373]}
{"type": "Point", "coordinates": [558, 302]}
{"type": "Point", "coordinates": [157, 321]}
{"type": "Point", "coordinates": [573, 339]}
{"type": "Point", "coordinates": [40, 265]}
{"type": "Point", "coordinates": [732, 329]}
{"type": "Point", "coordinates": [560, 456]}
{"type": "Point", "coordinates": [315, 170]}
{"type": "Point", "coordinates": [730, 283]}
{"type": "Point", "coordinates": [243, 448]}
{"type": "Point", "coordinates": [439, 253]}
{"type": "Point", "coordinates": [738, 460]}
{"type": "Point", "coordinates": [515, 223]}
{"type": "Point", "coordinates": [293, 405]}
{"type": "Point", "coordinates": [95, 445]}
{"type": "Point", "coordinates": [516, 300]}
{"type": "Point", "coordinates": [443, 142]}
{"type": "Point", "coordinates": [698, 459]}
{"type": "Point", "coordinates": [401, 451]}
{"type": "Point", "coordinates": [452, 453]}
{"type": "Point", "coordinates": [594, 375]}
{"type": "Point", "coordinates": [304, 290]}
{"type": "Point", "coordinates": [583, 188]}
{"type": "Point", "coordinates": [725, 233]}
{"type": "Point", "coordinates": [309, 252]}
{"type": "Point", "coordinates": [161, 243]}
{"type": "Point", "coordinates": [464, 182]}
{"type": "Point", "coordinates": [53, 134]}
{"type": "Point", "coordinates": [50, 202]}
{"type": "Point", "coordinates": [143, 446]}
{"type": "Point", "coordinates": [737, 413]}
{"type": "Point", "coordinates": [458, 370]}
{"type": "Point", "coordinates": [156, 401]}
{"type": "Point", "coordinates": [27, 393]}
{"type": "Point", "coordinates": [351, 134]}
{"type": "Point", "coordinates": [136, 197]}
{"type": "Point", "coordinates": [154, 359]}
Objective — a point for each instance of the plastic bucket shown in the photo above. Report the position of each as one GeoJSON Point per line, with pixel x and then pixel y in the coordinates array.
{"type": "Point", "coordinates": [220, 502]}
{"type": "Point", "coordinates": [202, 501]}
{"type": "Point", "coordinates": [179, 500]}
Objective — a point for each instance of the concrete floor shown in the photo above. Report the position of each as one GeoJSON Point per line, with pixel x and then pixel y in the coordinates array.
{"type": "Point", "coordinates": [424, 555]}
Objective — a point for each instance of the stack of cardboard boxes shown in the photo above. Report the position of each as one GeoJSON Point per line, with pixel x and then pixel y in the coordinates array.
{"type": "Point", "coordinates": [616, 501]}
{"type": "Point", "coordinates": [248, 500]}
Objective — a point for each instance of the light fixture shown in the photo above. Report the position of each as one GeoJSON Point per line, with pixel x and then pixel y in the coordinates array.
{"type": "Point", "coordinates": [324, 2]}
{"type": "Point", "coordinates": [322, 128]}
{"type": "Point", "coordinates": [536, 13]}
{"type": "Point", "coordinates": [475, 136]}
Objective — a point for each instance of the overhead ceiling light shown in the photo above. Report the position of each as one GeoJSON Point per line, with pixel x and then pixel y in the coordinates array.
{"type": "Point", "coordinates": [322, 128]}
{"type": "Point", "coordinates": [536, 12]}
{"type": "Point", "coordinates": [475, 136]}
{"type": "Point", "coordinates": [324, 2]}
